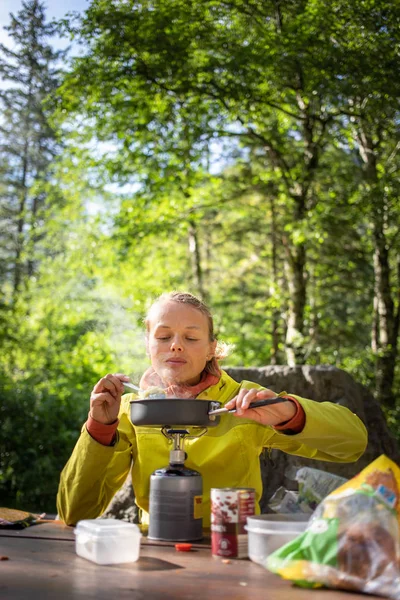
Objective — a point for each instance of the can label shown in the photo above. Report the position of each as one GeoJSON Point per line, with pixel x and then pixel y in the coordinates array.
{"type": "Point", "coordinates": [230, 508]}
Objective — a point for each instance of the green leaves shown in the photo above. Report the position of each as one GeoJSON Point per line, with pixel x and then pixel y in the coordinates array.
{"type": "Point", "coordinates": [244, 151]}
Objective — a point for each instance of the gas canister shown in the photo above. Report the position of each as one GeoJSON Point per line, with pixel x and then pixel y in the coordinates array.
{"type": "Point", "coordinates": [176, 496]}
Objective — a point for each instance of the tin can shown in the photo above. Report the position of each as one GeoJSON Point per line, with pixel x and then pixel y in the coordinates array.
{"type": "Point", "coordinates": [230, 508]}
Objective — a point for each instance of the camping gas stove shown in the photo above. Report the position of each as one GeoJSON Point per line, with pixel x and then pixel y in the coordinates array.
{"type": "Point", "coordinates": [176, 495]}
{"type": "Point", "coordinates": [176, 492]}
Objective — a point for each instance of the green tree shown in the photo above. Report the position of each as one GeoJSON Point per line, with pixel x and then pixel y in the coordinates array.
{"type": "Point", "coordinates": [167, 78]}
{"type": "Point", "coordinates": [365, 39]}
{"type": "Point", "coordinates": [28, 144]}
{"type": "Point", "coordinates": [164, 79]}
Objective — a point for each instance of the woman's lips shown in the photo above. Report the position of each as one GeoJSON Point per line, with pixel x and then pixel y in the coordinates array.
{"type": "Point", "coordinates": [176, 361]}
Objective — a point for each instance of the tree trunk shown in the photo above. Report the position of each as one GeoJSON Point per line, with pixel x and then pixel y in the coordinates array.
{"type": "Point", "coordinates": [196, 258]}
{"type": "Point", "coordinates": [301, 193]}
{"type": "Point", "coordinates": [295, 263]}
{"type": "Point", "coordinates": [374, 326]}
{"type": "Point", "coordinates": [21, 221]}
{"type": "Point", "coordinates": [313, 329]}
{"type": "Point", "coordinates": [295, 268]}
{"type": "Point", "coordinates": [275, 353]}
{"type": "Point", "coordinates": [24, 191]}
{"type": "Point", "coordinates": [386, 328]}
{"type": "Point", "coordinates": [33, 236]}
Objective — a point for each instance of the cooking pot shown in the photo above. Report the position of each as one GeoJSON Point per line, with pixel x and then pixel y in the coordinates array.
{"type": "Point", "coordinates": [162, 412]}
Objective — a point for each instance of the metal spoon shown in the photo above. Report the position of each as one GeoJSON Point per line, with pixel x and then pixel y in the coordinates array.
{"type": "Point", "coordinates": [132, 386]}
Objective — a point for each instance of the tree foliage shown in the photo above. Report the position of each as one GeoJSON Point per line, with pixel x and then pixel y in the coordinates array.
{"type": "Point", "coordinates": [246, 151]}
{"type": "Point", "coordinates": [289, 83]}
{"type": "Point", "coordinates": [28, 143]}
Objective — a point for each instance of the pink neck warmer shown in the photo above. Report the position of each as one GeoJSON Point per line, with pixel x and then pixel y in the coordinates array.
{"type": "Point", "coordinates": [150, 378]}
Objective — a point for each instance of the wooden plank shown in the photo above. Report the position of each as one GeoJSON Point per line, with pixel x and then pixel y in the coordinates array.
{"type": "Point", "coordinates": [49, 569]}
{"type": "Point", "coordinates": [57, 530]}
{"type": "Point", "coordinates": [45, 530]}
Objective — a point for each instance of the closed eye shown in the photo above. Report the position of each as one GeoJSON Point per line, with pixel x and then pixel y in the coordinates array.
{"type": "Point", "coordinates": [167, 337]}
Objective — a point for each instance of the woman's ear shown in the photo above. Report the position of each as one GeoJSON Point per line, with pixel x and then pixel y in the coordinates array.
{"type": "Point", "coordinates": [213, 346]}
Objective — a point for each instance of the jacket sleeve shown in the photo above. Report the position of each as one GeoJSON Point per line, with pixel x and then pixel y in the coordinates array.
{"type": "Point", "coordinates": [331, 432]}
{"type": "Point", "coordinates": [94, 473]}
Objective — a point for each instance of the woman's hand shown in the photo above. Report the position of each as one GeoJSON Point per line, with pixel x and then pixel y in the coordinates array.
{"type": "Point", "coordinates": [105, 398]}
{"type": "Point", "coordinates": [266, 415]}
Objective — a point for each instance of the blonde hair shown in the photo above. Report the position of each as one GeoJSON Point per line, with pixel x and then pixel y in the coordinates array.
{"type": "Point", "coordinates": [222, 349]}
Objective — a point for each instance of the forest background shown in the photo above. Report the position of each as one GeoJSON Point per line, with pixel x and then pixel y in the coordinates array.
{"type": "Point", "coordinates": [244, 150]}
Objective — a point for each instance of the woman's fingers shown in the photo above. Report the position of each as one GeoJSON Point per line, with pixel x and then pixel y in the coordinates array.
{"type": "Point", "coordinates": [273, 414]}
{"type": "Point", "coordinates": [237, 401]}
{"type": "Point", "coordinates": [121, 377]}
{"type": "Point", "coordinates": [245, 397]}
{"type": "Point", "coordinates": [266, 415]}
{"type": "Point", "coordinates": [105, 398]}
{"type": "Point", "coordinates": [112, 384]}
{"type": "Point", "coordinates": [105, 385]}
{"type": "Point", "coordinates": [104, 407]}
{"type": "Point", "coordinates": [100, 399]}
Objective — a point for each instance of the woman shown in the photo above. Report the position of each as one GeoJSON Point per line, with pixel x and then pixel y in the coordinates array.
{"type": "Point", "coordinates": [184, 358]}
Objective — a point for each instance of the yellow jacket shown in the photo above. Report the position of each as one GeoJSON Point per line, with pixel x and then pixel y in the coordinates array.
{"type": "Point", "coordinates": [226, 456]}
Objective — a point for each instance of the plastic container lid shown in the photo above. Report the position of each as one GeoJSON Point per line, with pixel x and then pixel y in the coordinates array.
{"type": "Point", "coordinates": [278, 523]}
{"type": "Point", "coordinates": [295, 529]}
{"type": "Point", "coordinates": [106, 527]}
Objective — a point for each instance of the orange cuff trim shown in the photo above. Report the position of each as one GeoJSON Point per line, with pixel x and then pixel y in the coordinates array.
{"type": "Point", "coordinates": [297, 422]}
{"type": "Point", "coordinates": [104, 434]}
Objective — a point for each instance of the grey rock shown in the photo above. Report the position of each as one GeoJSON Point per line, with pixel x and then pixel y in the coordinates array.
{"type": "Point", "coordinates": [123, 506]}
{"type": "Point", "coordinates": [320, 383]}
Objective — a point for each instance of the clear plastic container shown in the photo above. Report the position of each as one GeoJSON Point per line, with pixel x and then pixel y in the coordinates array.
{"type": "Point", "coordinates": [267, 533]}
{"type": "Point", "coordinates": [107, 541]}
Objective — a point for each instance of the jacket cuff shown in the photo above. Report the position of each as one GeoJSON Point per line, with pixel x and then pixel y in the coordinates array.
{"type": "Point", "coordinates": [104, 434]}
{"type": "Point", "coordinates": [296, 423]}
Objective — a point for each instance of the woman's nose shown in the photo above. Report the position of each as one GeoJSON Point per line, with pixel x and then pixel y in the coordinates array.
{"type": "Point", "coordinates": [176, 345]}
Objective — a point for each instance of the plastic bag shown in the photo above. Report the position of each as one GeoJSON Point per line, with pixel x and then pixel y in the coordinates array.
{"type": "Point", "coordinates": [314, 485]}
{"type": "Point", "coordinates": [285, 502]}
{"type": "Point", "coordinates": [352, 541]}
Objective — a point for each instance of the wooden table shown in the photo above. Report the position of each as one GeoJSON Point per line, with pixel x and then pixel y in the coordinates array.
{"type": "Point", "coordinates": [42, 565]}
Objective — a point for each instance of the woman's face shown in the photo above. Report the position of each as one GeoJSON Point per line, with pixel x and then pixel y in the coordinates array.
{"type": "Point", "coordinates": [178, 342]}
